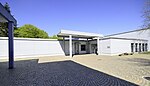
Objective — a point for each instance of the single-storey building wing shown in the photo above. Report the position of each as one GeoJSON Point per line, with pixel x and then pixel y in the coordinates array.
{"type": "Point", "coordinates": [126, 42]}
{"type": "Point", "coordinates": [131, 41]}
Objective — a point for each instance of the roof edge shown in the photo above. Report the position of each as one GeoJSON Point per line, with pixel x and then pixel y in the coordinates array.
{"type": "Point", "coordinates": [71, 32]}
{"type": "Point", "coordinates": [7, 15]}
{"type": "Point", "coordinates": [123, 38]}
{"type": "Point", "coordinates": [127, 32]}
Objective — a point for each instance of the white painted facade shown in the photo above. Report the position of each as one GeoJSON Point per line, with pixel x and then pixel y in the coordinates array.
{"type": "Point", "coordinates": [105, 47]}
{"type": "Point", "coordinates": [112, 46]}
{"type": "Point", "coordinates": [26, 47]}
{"type": "Point", "coordinates": [137, 34]}
{"type": "Point", "coordinates": [30, 47]}
{"type": "Point", "coordinates": [121, 43]}
{"type": "Point", "coordinates": [108, 45]}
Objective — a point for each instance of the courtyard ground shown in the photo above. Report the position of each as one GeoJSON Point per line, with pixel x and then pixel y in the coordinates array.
{"type": "Point", "coordinates": [81, 70]}
{"type": "Point", "coordinates": [132, 68]}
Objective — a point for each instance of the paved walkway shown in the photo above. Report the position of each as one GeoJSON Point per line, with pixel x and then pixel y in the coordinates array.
{"type": "Point", "coordinates": [82, 70]}
{"type": "Point", "coordinates": [130, 68]}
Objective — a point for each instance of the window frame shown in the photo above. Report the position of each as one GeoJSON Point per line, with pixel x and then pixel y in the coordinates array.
{"type": "Point", "coordinates": [83, 48]}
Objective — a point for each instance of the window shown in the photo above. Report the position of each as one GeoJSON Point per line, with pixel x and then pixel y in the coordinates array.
{"type": "Point", "coordinates": [83, 48]}
{"type": "Point", "coordinates": [132, 47]}
{"type": "Point", "coordinates": [146, 47]}
{"type": "Point", "coordinates": [136, 48]}
{"type": "Point", "coordinates": [143, 47]}
{"type": "Point", "coordinates": [139, 47]}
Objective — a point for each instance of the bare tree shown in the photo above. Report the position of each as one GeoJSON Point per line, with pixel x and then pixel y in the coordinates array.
{"type": "Point", "coordinates": [146, 14]}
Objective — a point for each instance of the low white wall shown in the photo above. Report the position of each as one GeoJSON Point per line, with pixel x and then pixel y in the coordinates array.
{"type": "Point", "coordinates": [32, 47]}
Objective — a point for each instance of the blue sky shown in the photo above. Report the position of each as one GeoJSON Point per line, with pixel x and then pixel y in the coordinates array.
{"type": "Point", "coordinates": [97, 16]}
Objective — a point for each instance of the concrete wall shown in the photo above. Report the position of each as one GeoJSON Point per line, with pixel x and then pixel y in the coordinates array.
{"type": "Point", "coordinates": [47, 47]}
{"type": "Point", "coordinates": [105, 47]}
{"type": "Point", "coordinates": [28, 47]}
{"type": "Point", "coordinates": [142, 34]}
{"type": "Point", "coordinates": [32, 47]}
{"type": "Point", "coordinates": [117, 46]}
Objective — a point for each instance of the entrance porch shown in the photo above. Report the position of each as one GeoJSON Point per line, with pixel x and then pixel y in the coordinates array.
{"type": "Point", "coordinates": [75, 42]}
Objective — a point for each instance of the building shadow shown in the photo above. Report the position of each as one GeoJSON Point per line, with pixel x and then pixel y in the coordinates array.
{"type": "Point", "coordinates": [62, 73]}
{"type": "Point", "coordinates": [63, 47]}
{"type": "Point", "coordinates": [140, 61]}
{"type": "Point", "coordinates": [66, 49]}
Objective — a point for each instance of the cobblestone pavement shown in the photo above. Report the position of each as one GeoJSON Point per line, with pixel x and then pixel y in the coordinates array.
{"type": "Point", "coordinates": [59, 73]}
{"type": "Point", "coordinates": [131, 68]}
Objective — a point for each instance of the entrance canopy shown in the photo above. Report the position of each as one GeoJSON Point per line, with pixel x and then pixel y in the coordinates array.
{"type": "Point", "coordinates": [5, 16]}
{"type": "Point", "coordinates": [78, 34]}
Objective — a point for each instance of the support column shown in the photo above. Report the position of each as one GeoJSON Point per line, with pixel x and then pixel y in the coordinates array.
{"type": "Point", "coordinates": [64, 45]}
{"type": "Point", "coordinates": [134, 47]}
{"type": "Point", "coordinates": [11, 44]}
{"type": "Point", "coordinates": [137, 47]}
{"type": "Point", "coordinates": [98, 46]}
{"type": "Point", "coordinates": [70, 45]}
{"type": "Point", "coordinates": [87, 46]}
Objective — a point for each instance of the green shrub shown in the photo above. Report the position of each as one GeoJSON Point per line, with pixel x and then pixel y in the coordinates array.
{"type": "Point", "coordinates": [30, 31]}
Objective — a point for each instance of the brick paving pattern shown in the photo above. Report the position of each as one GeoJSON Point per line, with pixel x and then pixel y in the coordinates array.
{"type": "Point", "coordinates": [61, 73]}
{"type": "Point", "coordinates": [131, 68]}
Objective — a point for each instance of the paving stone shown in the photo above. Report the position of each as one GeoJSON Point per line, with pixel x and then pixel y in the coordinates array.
{"type": "Point", "coordinates": [61, 73]}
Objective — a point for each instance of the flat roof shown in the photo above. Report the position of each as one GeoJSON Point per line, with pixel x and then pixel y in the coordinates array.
{"type": "Point", "coordinates": [123, 38]}
{"type": "Point", "coordinates": [78, 34]}
{"type": "Point", "coordinates": [5, 16]}
{"type": "Point", "coordinates": [127, 32]}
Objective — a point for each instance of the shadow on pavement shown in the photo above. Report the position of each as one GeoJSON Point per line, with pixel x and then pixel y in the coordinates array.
{"type": "Point", "coordinates": [140, 61]}
{"type": "Point", "coordinates": [63, 73]}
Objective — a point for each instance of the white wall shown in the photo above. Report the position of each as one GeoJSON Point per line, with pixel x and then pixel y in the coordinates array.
{"type": "Point", "coordinates": [119, 46]}
{"type": "Point", "coordinates": [31, 47]}
{"type": "Point", "coordinates": [105, 47]}
{"type": "Point", "coordinates": [116, 46]}
{"type": "Point", "coordinates": [143, 34]}
{"type": "Point", "coordinates": [3, 48]}
{"type": "Point", "coordinates": [66, 50]}
{"type": "Point", "coordinates": [42, 47]}
{"type": "Point", "coordinates": [28, 47]}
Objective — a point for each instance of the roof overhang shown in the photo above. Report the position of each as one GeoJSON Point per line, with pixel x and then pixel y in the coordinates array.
{"type": "Point", "coordinates": [121, 38]}
{"type": "Point", "coordinates": [77, 34]}
{"type": "Point", "coordinates": [5, 16]}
